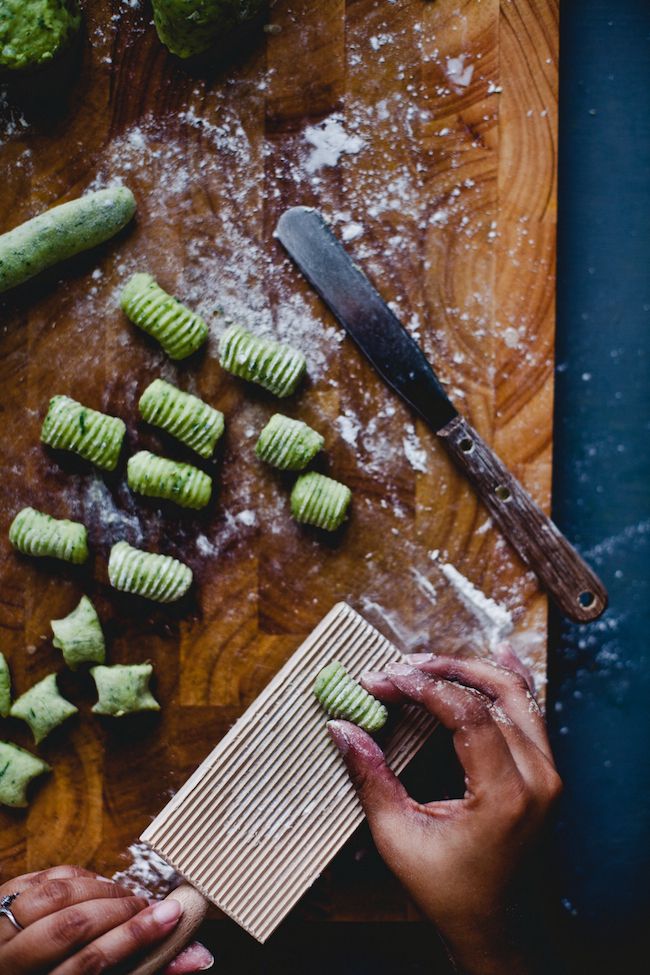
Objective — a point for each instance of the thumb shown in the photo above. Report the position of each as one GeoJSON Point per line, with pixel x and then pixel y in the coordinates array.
{"type": "Point", "coordinates": [381, 793]}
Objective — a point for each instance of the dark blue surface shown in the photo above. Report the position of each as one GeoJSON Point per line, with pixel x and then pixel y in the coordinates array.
{"type": "Point", "coordinates": [600, 674]}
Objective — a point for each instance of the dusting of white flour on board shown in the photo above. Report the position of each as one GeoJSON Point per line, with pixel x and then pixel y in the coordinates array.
{"type": "Point", "coordinates": [494, 620]}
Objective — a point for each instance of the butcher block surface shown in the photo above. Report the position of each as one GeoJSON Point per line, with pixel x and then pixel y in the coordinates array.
{"type": "Point", "coordinates": [426, 132]}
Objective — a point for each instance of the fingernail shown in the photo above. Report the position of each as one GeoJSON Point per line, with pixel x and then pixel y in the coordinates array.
{"type": "Point", "coordinates": [104, 880]}
{"type": "Point", "coordinates": [167, 911]}
{"type": "Point", "coordinates": [371, 675]}
{"type": "Point", "coordinates": [339, 736]}
{"type": "Point", "coordinates": [397, 668]}
{"type": "Point", "coordinates": [419, 658]}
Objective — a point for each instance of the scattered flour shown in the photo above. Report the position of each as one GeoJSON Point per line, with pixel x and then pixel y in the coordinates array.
{"type": "Point", "coordinates": [415, 453]}
{"type": "Point", "coordinates": [329, 141]}
{"type": "Point", "coordinates": [495, 621]}
{"type": "Point", "coordinates": [148, 875]}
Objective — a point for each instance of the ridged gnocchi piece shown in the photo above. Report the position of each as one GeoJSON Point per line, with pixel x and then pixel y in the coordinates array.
{"type": "Point", "coordinates": [17, 769]}
{"type": "Point", "coordinates": [343, 697]}
{"type": "Point", "coordinates": [179, 330]}
{"type": "Point", "coordinates": [277, 367]}
{"type": "Point", "coordinates": [95, 436]}
{"type": "Point", "coordinates": [183, 416]}
{"type": "Point", "coordinates": [79, 636]}
{"type": "Point", "coordinates": [288, 444]}
{"type": "Point", "coordinates": [157, 577]}
{"type": "Point", "coordinates": [123, 689]}
{"type": "Point", "coordinates": [5, 687]}
{"type": "Point", "coordinates": [320, 501]}
{"type": "Point", "coordinates": [33, 532]}
{"type": "Point", "coordinates": [43, 708]}
{"type": "Point", "coordinates": [158, 477]}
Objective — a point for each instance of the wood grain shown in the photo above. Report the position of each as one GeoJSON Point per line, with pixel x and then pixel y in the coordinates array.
{"type": "Point", "coordinates": [449, 203]}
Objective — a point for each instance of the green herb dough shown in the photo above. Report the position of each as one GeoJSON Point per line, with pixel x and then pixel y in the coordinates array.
{"type": "Point", "coordinates": [189, 27]}
{"type": "Point", "coordinates": [33, 32]}
{"type": "Point", "coordinates": [62, 232]}
{"type": "Point", "coordinates": [79, 636]}
{"type": "Point", "coordinates": [43, 708]}
{"type": "Point", "coordinates": [343, 697]}
{"type": "Point", "coordinates": [17, 769]}
{"type": "Point", "coordinates": [123, 689]}
{"type": "Point", "coordinates": [5, 687]}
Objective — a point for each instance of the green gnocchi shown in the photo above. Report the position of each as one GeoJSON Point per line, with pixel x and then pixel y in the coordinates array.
{"type": "Point", "coordinates": [35, 533]}
{"type": "Point", "coordinates": [123, 689]}
{"type": "Point", "coordinates": [79, 636]}
{"type": "Point", "coordinates": [320, 501]}
{"type": "Point", "coordinates": [43, 708]}
{"type": "Point", "coordinates": [343, 697]}
{"type": "Point", "coordinates": [5, 687]}
{"type": "Point", "coordinates": [62, 232]}
{"type": "Point", "coordinates": [278, 368]}
{"type": "Point", "coordinates": [179, 330]}
{"type": "Point", "coordinates": [93, 435]}
{"type": "Point", "coordinates": [288, 444]}
{"type": "Point", "coordinates": [158, 477]}
{"type": "Point", "coordinates": [182, 415]}
{"type": "Point", "coordinates": [17, 769]}
{"type": "Point", "coordinates": [157, 577]}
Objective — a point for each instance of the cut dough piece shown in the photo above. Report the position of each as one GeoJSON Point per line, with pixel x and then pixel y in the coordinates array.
{"type": "Point", "coordinates": [17, 769]}
{"type": "Point", "coordinates": [288, 444]}
{"type": "Point", "coordinates": [182, 415]}
{"type": "Point", "coordinates": [33, 532]}
{"type": "Point", "coordinates": [43, 708]}
{"type": "Point", "coordinates": [5, 687]}
{"type": "Point", "coordinates": [95, 436]}
{"type": "Point", "coordinates": [123, 689]}
{"type": "Point", "coordinates": [157, 477]}
{"type": "Point", "coordinates": [79, 636]}
{"type": "Point", "coordinates": [179, 330]}
{"type": "Point", "coordinates": [158, 577]}
{"type": "Point", "coordinates": [320, 501]}
{"type": "Point", "coordinates": [343, 697]}
{"type": "Point", "coordinates": [278, 368]}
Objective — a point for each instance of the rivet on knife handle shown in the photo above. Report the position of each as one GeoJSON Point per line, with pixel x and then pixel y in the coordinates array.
{"type": "Point", "coordinates": [576, 589]}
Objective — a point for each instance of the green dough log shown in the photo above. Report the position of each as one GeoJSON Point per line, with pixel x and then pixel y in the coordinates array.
{"type": "Point", "coordinates": [179, 330]}
{"type": "Point", "coordinates": [278, 368]}
{"type": "Point", "coordinates": [33, 32]}
{"type": "Point", "coordinates": [79, 636]}
{"type": "Point", "coordinates": [123, 689]}
{"type": "Point", "coordinates": [320, 501]}
{"type": "Point", "coordinates": [158, 477]}
{"type": "Point", "coordinates": [17, 769]}
{"type": "Point", "coordinates": [5, 687]}
{"type": "Point", "coordinates": [288, 444]}
{"type": "Point", "coordinates": [34, 533]}
{"type": "Point", "coordinates": [343, 697]}
{"type": "Point", "coordinates": [43, 708]}
{"type": "Point", "coordinates": [182, 415]}
{"type": "Point", "coordinates": [189, 27]}
{"type": "Point", "coordinates": [62, 232]}
{"type": "Point", "coordinates": [95, 436]}
{"type": "Point", "coordinates": [158, 577]}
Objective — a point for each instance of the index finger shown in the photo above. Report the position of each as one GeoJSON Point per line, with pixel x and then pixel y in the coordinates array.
{"type": "Point", "coordinates": [482, 750]}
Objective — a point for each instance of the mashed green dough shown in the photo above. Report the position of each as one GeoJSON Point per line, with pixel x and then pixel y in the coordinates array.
{"type": "Point", "coordinates": [189, 27]}
{"type": "Point", "coordinates": [32, 32]}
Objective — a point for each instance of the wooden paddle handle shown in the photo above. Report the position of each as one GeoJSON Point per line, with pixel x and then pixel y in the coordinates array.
{"type": "Point", "coordinates": [195, 907]}
{"type": "Point", "coordinates": [575, 588]}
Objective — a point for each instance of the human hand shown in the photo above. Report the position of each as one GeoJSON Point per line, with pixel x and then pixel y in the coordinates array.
{"type": "Point", "coordinates": [75, 923]}
{"type": "Point", "coordinates": [459, 858]}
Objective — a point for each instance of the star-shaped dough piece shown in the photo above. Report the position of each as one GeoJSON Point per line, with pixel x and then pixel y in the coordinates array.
{"type": "Point", "coordinates": [123, 689]}
{"type": "Point", "coordinates": [5, 687]}
{"type": "Point", "coordinates": [17, 769]}
{"type": "Point", "coordinates": [79, 636]}
{"type": "Point", "coordinates": [43, 708]}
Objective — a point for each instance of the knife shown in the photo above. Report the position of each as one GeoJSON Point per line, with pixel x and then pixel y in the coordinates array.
{"type": "Point", "coordinates": [398, 358]}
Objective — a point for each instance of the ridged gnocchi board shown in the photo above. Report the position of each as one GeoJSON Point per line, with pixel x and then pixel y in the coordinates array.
{"type": "Point", "coordinates": [271, 805]}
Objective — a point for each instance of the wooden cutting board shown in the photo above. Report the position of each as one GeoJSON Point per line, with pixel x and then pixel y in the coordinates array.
{"type": "Point", "coordinates": [427, 133]}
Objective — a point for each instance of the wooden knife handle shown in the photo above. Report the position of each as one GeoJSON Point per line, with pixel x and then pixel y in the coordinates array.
{"type": "Point", "coordinates": [568, 579]}
{"type": "Point", "coordinates": [195, 907]}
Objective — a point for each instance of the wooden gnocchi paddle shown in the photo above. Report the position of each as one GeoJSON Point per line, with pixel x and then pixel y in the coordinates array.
{"type": "Point", "coordinates": [264, 814]}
